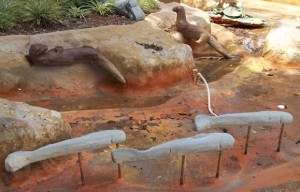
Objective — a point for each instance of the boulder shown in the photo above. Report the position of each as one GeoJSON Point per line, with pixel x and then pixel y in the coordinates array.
{"type": "Point", "coordinates": [165, 18]}
{"type": "Point", "coordinates": [228, 39]}
{"type": "Point", "coordinates": [147, 56]}
{"type": "Point", "coordinates": [207, 5]}
{"type": "Point", "coordinates": [283, 42]}
{"type": "Point", "coordinates": [25, 127]}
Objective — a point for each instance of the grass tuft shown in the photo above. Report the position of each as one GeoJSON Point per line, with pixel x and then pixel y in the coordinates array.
{"type": "Point", "coordinates": [71, 3]}
{"type": "Point", "coordinates": [43, 12]}
{"type": "Point", "coordinates": [78, 12]}
{"type": "Point", "coordinates": [102, 8]}
{"type": "Point", "coordinates": [10, 11]}
{"type": "Point", "coordinates": [148, 5]}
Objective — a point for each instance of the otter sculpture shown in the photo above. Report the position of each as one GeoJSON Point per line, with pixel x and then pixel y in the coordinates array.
{"type": "Point", "coordinates": [40, 55]}
{"type": "Point", "coordinates": [195, 33]}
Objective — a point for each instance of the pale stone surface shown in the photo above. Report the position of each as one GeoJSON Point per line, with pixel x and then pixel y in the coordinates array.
{"type": "Point", "coordinates": [25, 127]}
{"type": "Point", "coordinates": [283, 42]}
{"type": "Point", "coordinates": [243, 119]}
{"type": "Point", "coordinates": [120, 44]}
{"type": "Point", "coordinates": [228, 40]}
{"type": "Point", "coordinates": [207, 5]}
{"type": "Point", "coordinates": [165, 18]}
{"type": "Point", "coordinates": [185, 146]}
{"type": "Point", "coordinates": [92, 141]}
{"type": "Point", "coordinates": [292, 2]}
{"type": "Point", "coordinates": [280, 5]}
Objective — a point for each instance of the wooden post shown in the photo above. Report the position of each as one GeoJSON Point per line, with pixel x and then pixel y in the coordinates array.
{"type": "Point", "coordinates": [182, 169]}
{"type": "Point", "coordinates": [119, 165]}
{"type": "Point", "coordinates": [247, 140]}
{"type": "Point", "coordinates": [219, 163]}
{"type": "Point", "coordinates": [80, 168]}
{"type": "Point", "coordinates": [280, 136]}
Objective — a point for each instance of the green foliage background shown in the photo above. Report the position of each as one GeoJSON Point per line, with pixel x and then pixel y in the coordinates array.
{"type": "Point", "coordinates": [43, 13]}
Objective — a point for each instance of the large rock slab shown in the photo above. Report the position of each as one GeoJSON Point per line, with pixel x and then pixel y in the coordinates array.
{"type": "Point", "coordinates": [25, 127]}
{"type": "Point", "coordinates": [283, 42]}
{"type": "Point", "coordinates": [146, 56]}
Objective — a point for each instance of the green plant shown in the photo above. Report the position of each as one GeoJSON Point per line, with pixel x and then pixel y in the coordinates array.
{"type": "Point", "coordinates": [65, 3]}
{"type": "Point", "coordinates": [78, 12]}
{"type": "Point", "coordinates": [10, 10]}
{"type": "Point", "coordinates": [70, 3]}
{"type": "Point", "coordinates": [43, 12]}
{"type": "Point", "coordinates": [148, 5]}
{"type": "Point", "coordinates": [102, 8]}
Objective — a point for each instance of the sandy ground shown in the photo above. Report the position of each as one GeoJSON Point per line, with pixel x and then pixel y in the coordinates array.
{"type": "Point", "coordinates": [151, 118]}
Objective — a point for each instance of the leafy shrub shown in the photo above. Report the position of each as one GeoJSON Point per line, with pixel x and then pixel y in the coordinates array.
{"type": "Point", "coordinates": [102, 8]}
{"type": "Point", "coordinates": [10, 10]}
{"type": "Point", "coordinates": [78, 12]}
{"type": "Point", "coordinates": [148, 5]}
{"type": "Point", "coordinates": [71, 3]}
{"type": "Point", "coordinates": [66, 3]}
{"type": "Point", "coordinates": [43, 12]}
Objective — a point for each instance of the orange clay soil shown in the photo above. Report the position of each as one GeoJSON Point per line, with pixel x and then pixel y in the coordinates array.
{"type": "Point", "coordinates": [261, 169]}
{"type": "Point", "coordinates": [152, 116]}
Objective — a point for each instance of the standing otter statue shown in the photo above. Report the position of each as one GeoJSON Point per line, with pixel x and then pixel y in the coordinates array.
{"type": "Point", "coordinates": [195, 33]}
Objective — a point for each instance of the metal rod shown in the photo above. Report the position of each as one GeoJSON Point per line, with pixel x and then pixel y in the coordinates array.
{"type": "Point", "coordinates": [182, 169]}
{"type": "Point", "coordinates": [219, 163]}
{"type": "Point", "coordinates": [280, 136]}
{"type": "Point", "coordinates": [119, 165]}
{"type": "Point", "coordinates": [195, 76]}
{"type": "Point", "coordinates": [247, 140]}
{"type": "Point", "coordinates": [81, 171]}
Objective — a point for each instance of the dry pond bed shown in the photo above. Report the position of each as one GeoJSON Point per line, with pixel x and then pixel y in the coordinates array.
{"type": "Point", "coordinates": [152, 117]}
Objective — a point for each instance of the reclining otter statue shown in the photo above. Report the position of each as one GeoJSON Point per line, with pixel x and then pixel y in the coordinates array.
{"type": "Point", "coordinates": [39, 54]}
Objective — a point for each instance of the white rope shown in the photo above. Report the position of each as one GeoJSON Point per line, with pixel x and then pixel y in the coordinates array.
{"type": "Point", "coordinates": [208, 94]}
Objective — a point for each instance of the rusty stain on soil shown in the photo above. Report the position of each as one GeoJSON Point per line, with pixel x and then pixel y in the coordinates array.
{"type": "Point", "coordinates": [157, 116]}
{"type": "Point", "coordinates": [150, 125]}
